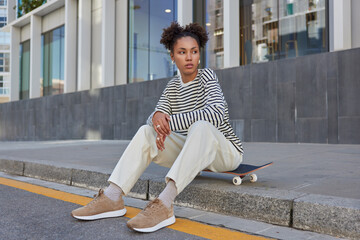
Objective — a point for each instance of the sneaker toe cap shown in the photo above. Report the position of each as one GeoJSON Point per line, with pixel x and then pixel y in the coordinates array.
{"type": "Point", "coordinates": [77, 212]}
{"type": "Point", "coordinates": [137, 222]}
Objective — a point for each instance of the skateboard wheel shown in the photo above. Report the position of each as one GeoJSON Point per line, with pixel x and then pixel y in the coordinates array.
{"type": "Point", "coordinates": [253, 178]}
{"type": "Point", "coordinates": [237, 180]}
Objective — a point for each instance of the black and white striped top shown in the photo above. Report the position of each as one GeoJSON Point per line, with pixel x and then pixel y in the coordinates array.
{"type": "Point", "coordinates": [200, 99]}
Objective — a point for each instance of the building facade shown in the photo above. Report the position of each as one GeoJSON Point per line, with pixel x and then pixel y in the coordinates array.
{"type": "Point", "coordinates": [85, 69]}
{"type": "Point", "coordinates": [73, 45]}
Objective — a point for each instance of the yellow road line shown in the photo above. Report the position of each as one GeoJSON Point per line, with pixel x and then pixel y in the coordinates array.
{"type": "Point", "coordinates": [182, 225]}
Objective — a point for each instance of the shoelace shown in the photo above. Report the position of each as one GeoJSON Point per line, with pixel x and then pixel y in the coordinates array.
{"type": "Point", "coordinates": [96, 197]}
{"type": "Point", "coordinates": [152, 207]}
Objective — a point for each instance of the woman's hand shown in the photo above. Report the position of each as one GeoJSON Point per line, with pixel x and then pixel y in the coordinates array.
{"type": "Point", "coordinates": [160, 139]}
{"type": "Point", "coordinates": [161, 124]}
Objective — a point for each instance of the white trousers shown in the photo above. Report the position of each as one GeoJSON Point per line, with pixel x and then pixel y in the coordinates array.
{"type": "Point", "coordinates": [205, 147]}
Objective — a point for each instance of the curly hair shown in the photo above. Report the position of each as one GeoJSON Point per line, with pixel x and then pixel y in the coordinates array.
{"type": "Point", "coordinates": [171, 34]}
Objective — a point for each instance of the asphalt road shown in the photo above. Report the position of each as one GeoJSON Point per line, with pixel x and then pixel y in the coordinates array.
{"type": "Point", "coordinates": [36, 209]}
{"type": "Point", "coordinates": [26, 215]}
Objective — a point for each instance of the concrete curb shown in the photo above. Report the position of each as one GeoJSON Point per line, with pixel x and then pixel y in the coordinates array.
{"type": "Point", "coordinates": [327, 214]}
{"type": "Point", "coordinates": [336, 216]}
{"type": "Point", "coordinates": [263, 205]}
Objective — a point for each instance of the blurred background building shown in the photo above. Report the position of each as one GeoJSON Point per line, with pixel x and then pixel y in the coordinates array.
{"type": "Point", "coordinates": [94, 69]}
{"type": "Point", "coordinates": [4, 55]}
{"type": "Point", "coordinates": [65, 46]}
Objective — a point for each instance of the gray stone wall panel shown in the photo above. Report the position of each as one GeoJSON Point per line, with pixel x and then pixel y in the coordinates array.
{"type": "Point", "coordinates": [333, 105]}
{"type": "Point", "coordinates": [311, 86]}
{"type": "Point", "coordinates": [305, 99]}
{"type": "Point", "coordinates": [311, 130]}
{"type": "Point", "coordinates": [263, 130]}
{"type": "Point", "coordinates": [263, 91]}
{"type": "Point", "coordinates": [349, 130]}
{"type": "Point", "coordinates": [235, 84]}
{"type": "Point", "coordinates": [349, 83]}
{"type": "Point", "coordinates": [286, 111]}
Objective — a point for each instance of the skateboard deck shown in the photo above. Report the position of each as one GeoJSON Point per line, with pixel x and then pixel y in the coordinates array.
{"type": "Point", "coordinates": [244, 170]}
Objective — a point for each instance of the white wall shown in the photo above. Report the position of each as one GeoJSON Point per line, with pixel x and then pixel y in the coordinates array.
{"type": "Point", "coordinates": [121, 48]}
{"type": "Point", "coordinates": [53, 20]}
{"type": "Point", "coordinates": [25, 33]}
{"type": "Point", "coordinates": [15, 62]}
{"type": "Point", "coordinates": [340, 29]}
{"type": "Point", "coordinates": [355, 23]}
{"type": "Point", "coordinates": [96, 31]}
{"type": "Point", "coordinates": [11, 11]}
{"type": "Point", "coordinates": [84, 45]}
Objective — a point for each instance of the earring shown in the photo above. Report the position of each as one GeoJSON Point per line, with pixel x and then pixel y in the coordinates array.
{"type": "Point", "coordinates": [173, 62]}
{"type": "Point", "coordinates": [199, 61]}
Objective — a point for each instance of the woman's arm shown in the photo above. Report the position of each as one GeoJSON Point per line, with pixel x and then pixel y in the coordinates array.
{"type": "Point", "coordinates": [163, 106]}
{"type": "Point", "coordinates": [213, 112]}
{"type": "Point", "coordinates": [159, 119]}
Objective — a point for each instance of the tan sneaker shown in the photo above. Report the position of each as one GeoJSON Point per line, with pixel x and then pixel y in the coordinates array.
{"type": "Point", "coordinates": [155, 216]}
{"type": "Point", "coordinates": [100, 207]}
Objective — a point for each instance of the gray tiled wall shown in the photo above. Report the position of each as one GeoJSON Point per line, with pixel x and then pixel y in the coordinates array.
{"type": "Point", "coordinates": [307, 99]}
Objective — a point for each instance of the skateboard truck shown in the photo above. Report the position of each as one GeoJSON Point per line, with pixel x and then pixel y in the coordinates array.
{"type": "Point", "coordinates": [245, 170]}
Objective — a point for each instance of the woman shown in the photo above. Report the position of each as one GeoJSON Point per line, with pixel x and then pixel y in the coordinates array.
{"type": "Point", "coordinates": [188, 132]}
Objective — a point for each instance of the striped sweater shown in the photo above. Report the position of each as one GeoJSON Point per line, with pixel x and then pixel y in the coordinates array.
{"type": "Point", "coordinates": [200, 99]}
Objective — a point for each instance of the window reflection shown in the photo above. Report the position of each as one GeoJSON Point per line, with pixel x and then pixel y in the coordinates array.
{"type": "Point", "coordinates": [215, 27]}
{"type": "Point", "coordinates": [4, 86]}
{"type": "Point", "coordinates": [275, 29]}
{"type": "Point", "coordinates": [24, 69]}
{"type": "Point", "coordinates": [148, 59]}
{"type": "Point", "coordinates": [4, 62]}
{"type": "Point", "coordinates": [52, 81]}
{"type": "Point", "coordinates": [210, 14]}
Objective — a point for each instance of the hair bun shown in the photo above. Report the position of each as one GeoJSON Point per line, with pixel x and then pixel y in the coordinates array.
{"type": "Point", "coordinates": [172, 33]}
{"type": "Point", "coordinates": [199, 31]}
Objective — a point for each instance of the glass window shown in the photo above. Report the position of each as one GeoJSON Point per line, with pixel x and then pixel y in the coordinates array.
{"type": "Point", "coordinates": [275, 29]}
{"type": "Point", "coordinates": [52, 62]}
{"type": "Point", "coordinates": [3, 17]}
{"type": "Point", "coordinates": [24, 69]}
{"type": "Point", "coordinates": [215, 27]}
{"type": "Point", "coordinates": [2, 90]}
{"type": "Point", "coordinates": [4, 39]}
{"type": "Point", "coordinates": [4, 62]}
{"type": "Point", "coordinates": [3, 2]}
{"type": "Point", "coordinates": [210, 14]}
{"type": "Point", "coordinates": [4, 86]}
{"type": "Point", "coordinates": [148, 59]}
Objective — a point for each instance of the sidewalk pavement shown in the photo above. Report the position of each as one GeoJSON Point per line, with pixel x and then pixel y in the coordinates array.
{"type": "Point", "coordinates": [312, 187]}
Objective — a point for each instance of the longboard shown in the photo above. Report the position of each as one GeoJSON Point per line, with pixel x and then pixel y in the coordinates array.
{"type": "Point", "coordinates": [244, 170]}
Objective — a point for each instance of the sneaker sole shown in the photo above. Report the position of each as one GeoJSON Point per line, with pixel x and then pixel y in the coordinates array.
{"type": "Point", "coordinates": [164, 223]}
{"type": "Point", "coordinates": [117, 213]}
